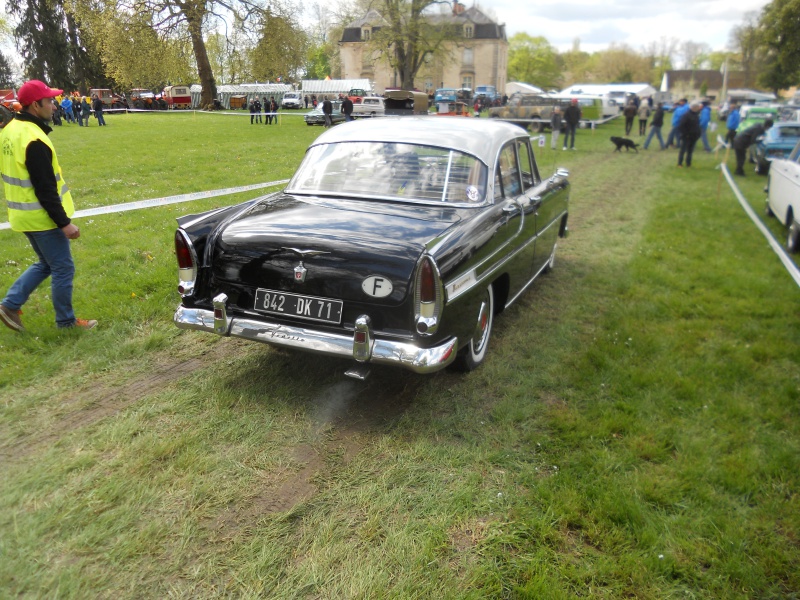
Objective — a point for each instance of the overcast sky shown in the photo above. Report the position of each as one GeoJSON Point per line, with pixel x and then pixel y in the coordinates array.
{"type": "Point", "coordinates": [632, 22]}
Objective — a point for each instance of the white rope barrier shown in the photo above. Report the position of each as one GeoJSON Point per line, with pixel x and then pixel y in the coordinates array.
{"type": "Point", "coordinates": [165, 200]}
{"type": "Point", "coordinates": [774, 244]}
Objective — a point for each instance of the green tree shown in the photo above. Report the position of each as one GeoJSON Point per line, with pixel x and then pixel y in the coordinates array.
{"type": "Point", "coordinates": [318, 64]}
{"type": "Point", "coordinates": [533, 60]}
{"type": "Point", "coordinates": [6, 74]}
{"type": "Point", "coordinates": [779, 36]}
{"type": "Point", "coordinates": [41, 36]}
{"type": "Point", "coordinates": [412, 33]}
{"type": "Point", "coordinates": [280, 50]}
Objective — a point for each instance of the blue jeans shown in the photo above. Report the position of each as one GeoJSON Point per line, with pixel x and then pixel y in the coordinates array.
{"type": "Point", "coordinates": [655, 130]}
{"type": "Point", "coordinates": [55, 261]}
{"type": "Point", "coordinates": [704, 139]}
{"type": "Point", "coordinates": [674, 137]}
{"type": "Point", "coordinates": [100, 119]}
{"type": "Point", "coordinates": [569, 135]}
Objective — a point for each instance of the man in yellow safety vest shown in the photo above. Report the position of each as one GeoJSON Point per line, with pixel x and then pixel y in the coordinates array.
{"type": "Point", "coordinates": [40, 206]}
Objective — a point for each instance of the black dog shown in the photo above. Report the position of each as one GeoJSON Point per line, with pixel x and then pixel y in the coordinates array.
{"type": "Point", "coordinates": [624, 143]}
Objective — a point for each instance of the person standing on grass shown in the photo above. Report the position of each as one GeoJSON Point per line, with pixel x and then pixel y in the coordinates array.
{"type": "Point", "coordinates": [629, 112]}
{"type": "Point", "coordinates": [555, 127]}
{"type": "Point", "coordinates": [690, 132]}
{"type": "Point", "coordinates": [327, 110]}
{"type": "Point", "coordinates": [86, 109]}
{"type": "Point", "coordinates": [66, 104]}
{"type": "Point", "coordinates": [655, 126]}
{"type": "Point", "coordinates": [732, 123]}
{"type": "Point", "coordinates": [674, 136]}
{"type": "Point", "coordinates": [744, 140]}
{"type": "Point", "coordinates": [572, 117]}
{"type": "Point", "coordinates": [40, 206]}
{"type": "Point", "coordinates": [273, 109]}
{"type": "Point", "coordinates": [644, 113]}
{"type": "Point", "coordinates": [97, 105]}
{"type": "Point", "coordinates": [76, 108]}
{"type": "Point", "coordinates": [705, 120]}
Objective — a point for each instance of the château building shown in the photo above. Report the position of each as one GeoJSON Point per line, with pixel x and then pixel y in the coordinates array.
{"type": "Point", "coordinates": [480, 57]}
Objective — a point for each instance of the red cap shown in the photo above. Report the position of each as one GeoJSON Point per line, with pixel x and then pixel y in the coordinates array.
{"type": "Point", "coordinates": [574, 100]}
{"type": "Point", "coordinates": [34, 90]}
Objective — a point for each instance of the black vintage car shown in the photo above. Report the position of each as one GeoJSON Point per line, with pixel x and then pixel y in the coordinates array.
{"type": "Point", "coordinates": [396, 242]}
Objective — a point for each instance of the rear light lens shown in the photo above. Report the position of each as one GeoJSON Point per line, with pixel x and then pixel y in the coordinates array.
{"type": "Point", "coordinates": [187, 263]}
{"type": "Point", "coordinates": [427, 296]}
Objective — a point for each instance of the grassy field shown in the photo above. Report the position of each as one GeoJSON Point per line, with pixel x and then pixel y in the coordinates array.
{"type": "Point", "coordinates": [634, 432]}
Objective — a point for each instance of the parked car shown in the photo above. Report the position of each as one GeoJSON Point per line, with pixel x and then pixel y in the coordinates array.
{"type": "Point", "coordinates": [445, 95]}
{"type": "Point", "coordinates": [778, 141]}
{"type": "Point", "coordinates": [317, 117]}
{"type": "Point", "coordinates": [292, 100]}
{"type": "Point", "coordinates": [487, 93]}
{"type": "Point", "coordinates": [751, 114]}
{"type": "Point", "coordinates": [370, 106]}
{"type": "Point", "coordinates": [528, 110]}
{"type": "Point", "coordinates": [396, 242]}
{"type": "Point", "coordinates": [783, 196]}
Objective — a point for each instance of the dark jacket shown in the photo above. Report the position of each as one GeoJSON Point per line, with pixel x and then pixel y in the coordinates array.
{"type": "Point", "coordinates": [658, 118]}
{"type": "Point", "coordinates": [572, 114]}
{"type": "Point", "coordinates": [748, 137]}
{"type": "Point", "coordinates": [327, 107]}
{"type": "Point", "coordinates": [689, 125]}
{"type": "Point", "coordinates": [347, 106]}
{"type": "Point", "coordinates": [97, 105]}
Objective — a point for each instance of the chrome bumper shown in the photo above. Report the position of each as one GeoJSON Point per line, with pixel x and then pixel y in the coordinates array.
{"type": "Point", "coordinates": [362, 348]}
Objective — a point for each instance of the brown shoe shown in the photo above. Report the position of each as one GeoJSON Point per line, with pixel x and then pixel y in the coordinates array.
{"type": "Point", "coordinates": [85, 323]}
{"type": "Point", "coordinates": [11, 318]}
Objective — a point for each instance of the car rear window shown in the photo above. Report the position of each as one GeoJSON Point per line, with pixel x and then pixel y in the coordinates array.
{"type": "Point", "coordinates": [391, 170]}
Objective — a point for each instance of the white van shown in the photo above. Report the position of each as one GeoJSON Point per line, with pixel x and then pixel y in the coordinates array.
{"type": "Point", "coordinates": [292, 100]}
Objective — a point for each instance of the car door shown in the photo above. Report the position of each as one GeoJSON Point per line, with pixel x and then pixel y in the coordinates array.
{"type": "Point", "coordinates": [510, 197]}
{"type": "Point", "coordinates": [784, 186]}
{"type": "Point", "coordinates": [547, 200]}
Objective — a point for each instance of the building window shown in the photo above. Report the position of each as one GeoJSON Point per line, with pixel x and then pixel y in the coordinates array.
{"type": "Point", "coordinates": [469, 57]}
{"type": "Point", "coordinates": [469, 31]}
{"type": "Point", "coordinates": [466, 81]}
{"type": "Point", "coordinates": [365, 35]}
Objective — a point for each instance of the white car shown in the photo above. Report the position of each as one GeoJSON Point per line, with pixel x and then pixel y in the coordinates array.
{"type": "Point", "coordinates": [292, 100]}
{"type": "Point", "coordinates": [370, 106]}
{"type": "Point", "coordinates": [783, 199]}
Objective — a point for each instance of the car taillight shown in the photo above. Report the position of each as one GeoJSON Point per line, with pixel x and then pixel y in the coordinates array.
{"type": "Point", "coordinates": [187, 264]}
{"type": "Point", "coordinates": [427, 282]}
{"type": "Point", "coordinates": [427, 296]}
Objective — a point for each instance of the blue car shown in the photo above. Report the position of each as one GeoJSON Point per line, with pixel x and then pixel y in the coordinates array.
{"type": "Point", "coordinates": [777, 142]}
{"type": "Point", "coordinates": [445, 95]}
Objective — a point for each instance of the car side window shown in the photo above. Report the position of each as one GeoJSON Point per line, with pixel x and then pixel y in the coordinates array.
{"type": "Point", "coordinates": [527, 164]}
{"type": "Point", "coordinates": [507, 174]}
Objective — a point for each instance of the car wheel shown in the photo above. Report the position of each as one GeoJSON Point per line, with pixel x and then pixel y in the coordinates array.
{"type": "Point", "coordinates": [793, 238]}
{"type": "Point", "coordinates": [471, 356]}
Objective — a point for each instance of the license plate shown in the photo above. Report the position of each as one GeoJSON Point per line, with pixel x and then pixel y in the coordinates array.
{"type": "Point", "coordinates": [301, 307]}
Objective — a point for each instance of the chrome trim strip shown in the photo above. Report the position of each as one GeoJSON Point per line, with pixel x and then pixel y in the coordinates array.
{"type": "Point", "coordinates": [406, 355]}
{"type": "Point", "coordinates": [480, 280]}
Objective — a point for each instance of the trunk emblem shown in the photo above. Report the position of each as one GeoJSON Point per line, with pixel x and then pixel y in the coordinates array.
{"type": "Point", "coordinates": [300, 273]}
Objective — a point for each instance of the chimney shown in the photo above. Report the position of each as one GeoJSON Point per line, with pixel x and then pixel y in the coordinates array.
{"type": "Point", "coordinates": [458, 8]}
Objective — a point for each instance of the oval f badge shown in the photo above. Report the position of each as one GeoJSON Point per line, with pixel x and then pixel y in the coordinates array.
{"type": "Point", "coordinates": [377, 286]}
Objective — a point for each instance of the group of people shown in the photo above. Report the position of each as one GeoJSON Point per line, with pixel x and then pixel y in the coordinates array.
{"type": "Point", "coordinates": [270, 108]}
{"type": "Point", "coordinates": [569, 119]}
{"type": "Point", "coordinates": [78, 109]}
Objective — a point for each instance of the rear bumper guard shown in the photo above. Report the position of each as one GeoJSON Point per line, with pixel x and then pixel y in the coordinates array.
{"type": "Point", "coordinates": [360, 346]}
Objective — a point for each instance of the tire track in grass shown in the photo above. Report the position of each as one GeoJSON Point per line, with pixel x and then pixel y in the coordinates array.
{"type": "Point", "coordinates": [102, 401]}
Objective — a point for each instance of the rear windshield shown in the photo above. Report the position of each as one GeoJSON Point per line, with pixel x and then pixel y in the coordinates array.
{"type": "Point", "coordinates": [391, 170]}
